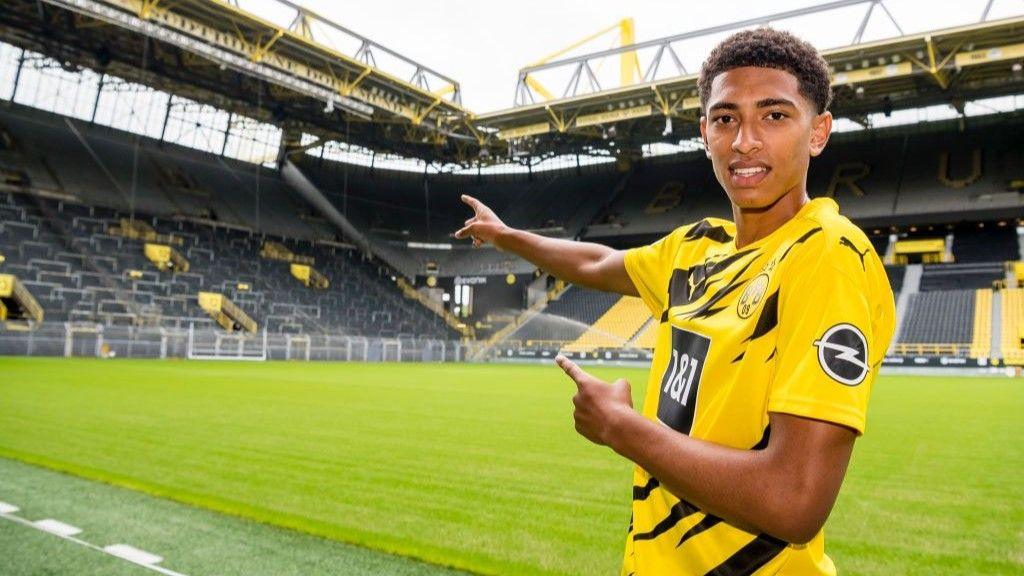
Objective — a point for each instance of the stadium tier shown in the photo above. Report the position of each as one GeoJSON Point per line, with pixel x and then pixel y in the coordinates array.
{"type": "Point", "coordinates": [961, 276]}
{"type": "Point", "coordinates": [979, 166]}
{"type": "Point", "coordinates": [61, 216]}
{"type": "Point", "coordinates": [84, 274]}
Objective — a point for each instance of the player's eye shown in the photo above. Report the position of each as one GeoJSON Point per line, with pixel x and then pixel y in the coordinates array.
{"type": "Point", "coordinates": [776, 116]}
{"type": "Point", "coordinates": [723, 119]}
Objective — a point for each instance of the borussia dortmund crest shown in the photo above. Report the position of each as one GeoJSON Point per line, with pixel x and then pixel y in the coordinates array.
{"type": "Point", "coordinates": [752, 296]}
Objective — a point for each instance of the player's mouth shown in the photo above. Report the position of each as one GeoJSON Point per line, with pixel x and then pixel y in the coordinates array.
{"type": "Point", "coordinates": [748, 174]}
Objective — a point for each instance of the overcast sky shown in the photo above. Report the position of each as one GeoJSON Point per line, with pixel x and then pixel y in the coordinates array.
{"type": "Point", "coordinates": [483, 43]}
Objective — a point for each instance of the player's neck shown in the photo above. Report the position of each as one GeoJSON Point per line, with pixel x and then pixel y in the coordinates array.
{"type": "Point", "coordinates": [752, 225]}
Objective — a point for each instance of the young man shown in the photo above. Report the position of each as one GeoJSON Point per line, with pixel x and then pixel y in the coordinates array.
{"type": "Point", "coordinates": [772, 329]}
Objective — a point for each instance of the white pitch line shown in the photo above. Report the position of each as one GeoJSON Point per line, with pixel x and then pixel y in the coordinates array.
{"type": "Point", "coordinates": [57, 527]}
{"type": "Point", "coordinates": [132, 554]}
{"type": "Point", "coordinates": [66, 531]}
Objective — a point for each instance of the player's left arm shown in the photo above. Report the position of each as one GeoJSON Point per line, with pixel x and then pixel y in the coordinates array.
{"type": "Point", "coordinates": [786, 490]}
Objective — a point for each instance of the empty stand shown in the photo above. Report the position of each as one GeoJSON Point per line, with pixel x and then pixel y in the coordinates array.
{"type": "Point", "coordinates": [361, 298]}
{"type": "Point", "coordinates": [943, 321]}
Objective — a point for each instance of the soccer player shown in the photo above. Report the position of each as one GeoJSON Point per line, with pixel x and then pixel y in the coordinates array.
{"type": "Point", "coordinates": [771, 331]}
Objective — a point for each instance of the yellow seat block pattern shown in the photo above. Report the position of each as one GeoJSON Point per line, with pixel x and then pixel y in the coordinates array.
{"type": "Point", "coordinates": [649, 337]}
{"type": "Point", "coordinates": [1012, 325]}
{"type": "Point", "coordinates": [615, 327]}
{"type": "Point", "coordinates": [981, 340]}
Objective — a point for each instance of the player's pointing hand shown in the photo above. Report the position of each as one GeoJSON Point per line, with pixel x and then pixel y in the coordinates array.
{"type": "Point", "coordinates": [600, 406]}
{"type": "Point", "coordinates": [484, 226]}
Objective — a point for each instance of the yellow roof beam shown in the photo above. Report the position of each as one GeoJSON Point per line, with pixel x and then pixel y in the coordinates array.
{"type": "Point", "coordinates": [629, 63]}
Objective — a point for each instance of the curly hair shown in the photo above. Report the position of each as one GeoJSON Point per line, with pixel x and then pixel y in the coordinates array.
{"type": "Point", "coordinates": [769, 48]}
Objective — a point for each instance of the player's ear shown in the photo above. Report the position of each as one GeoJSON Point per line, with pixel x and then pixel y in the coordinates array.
{"type": "Point", "coordinates": [704, 135]}
{"type": "Point", "coordinates": [821, 129]}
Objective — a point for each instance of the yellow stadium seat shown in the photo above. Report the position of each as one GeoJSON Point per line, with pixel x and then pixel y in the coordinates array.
{"type": "Point", "coordinates": [615, 328]}
{"type": "Point", "coordinates": [649, 336]}
{"type": "Point", "coordinates": [1012, 323]}
{"type": "Point", "coordinates": [981, 341]}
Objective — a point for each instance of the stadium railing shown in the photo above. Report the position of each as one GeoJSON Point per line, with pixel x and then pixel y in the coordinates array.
{"type": "Point", "coordinates": [932, 349]}
{"type": "Point", "coordinates": [96, 340]}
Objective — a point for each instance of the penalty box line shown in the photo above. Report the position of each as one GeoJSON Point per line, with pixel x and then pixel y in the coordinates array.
{"type": "Point", "coordinates": [68, 532]}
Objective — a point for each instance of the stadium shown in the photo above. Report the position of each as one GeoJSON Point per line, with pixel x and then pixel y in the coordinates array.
{"type": "Point", "coordinates": [237, 335]}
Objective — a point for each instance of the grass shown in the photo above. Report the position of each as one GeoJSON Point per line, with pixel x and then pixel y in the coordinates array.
{"type": "Point", "coordinates": [190, 540]}
{"type": "Point", "coordinates": [478, 467]}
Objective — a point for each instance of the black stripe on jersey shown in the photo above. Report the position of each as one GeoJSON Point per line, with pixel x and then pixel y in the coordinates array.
{"type": "Point", "coordinates": [772, 355]}
{"type": "Point", "coordinates": [708, 309]}
{"type": "Point", "coordinates": [800, 240]}
{"type": "Point", "coordinates": [705, 523]}
{"type": "Point", "coordinates": [689, 284]}
{"type": "Point", "coordinates": [768, 319]}
{"type": "Point", "coordinates": [750, 558]}
{"type": "Point", "coordinates": [642, 492]}
{"type": "Point", "coordinates": [675, 514]}
{"type": "Point", "coordinates": [740, 357]}
{"type": "Point", "coordinates": [683, 508]}
{"type": "Point", "coordinates": [704, 229]}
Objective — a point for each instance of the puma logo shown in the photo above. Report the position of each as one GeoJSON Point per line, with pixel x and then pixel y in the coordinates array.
{"type": "Point", "coordinates": [844, 241]}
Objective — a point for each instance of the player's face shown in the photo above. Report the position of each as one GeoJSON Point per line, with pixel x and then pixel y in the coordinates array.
{"type": "Point", "coordinates": [760, 134]}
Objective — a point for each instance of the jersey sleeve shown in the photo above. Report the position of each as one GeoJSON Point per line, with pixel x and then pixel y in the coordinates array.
{"type": "Point", "coordinates": [835, 322]}
{"type": "Point", "coordinates": [650, 269]}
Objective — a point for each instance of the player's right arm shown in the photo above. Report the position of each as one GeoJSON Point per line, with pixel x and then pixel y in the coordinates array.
{"type": "Point", "coordinates": [583, 263]}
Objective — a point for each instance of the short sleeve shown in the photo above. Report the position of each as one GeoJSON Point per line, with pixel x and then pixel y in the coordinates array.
{"type": "Point", "coordinates": [650, 268]}
{"type": "Point", "coordinates": [834, 328]}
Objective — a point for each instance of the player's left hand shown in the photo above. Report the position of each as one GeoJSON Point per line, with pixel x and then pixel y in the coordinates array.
{"type": "Point", "coordinates": [599, 406]}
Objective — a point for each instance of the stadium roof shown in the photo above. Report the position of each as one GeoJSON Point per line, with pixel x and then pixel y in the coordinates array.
{"type": "Point", "coordinates": [311, 77]}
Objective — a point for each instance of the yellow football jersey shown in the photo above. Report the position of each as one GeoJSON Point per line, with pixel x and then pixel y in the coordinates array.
{"type": "Point", "coordinates": [797, 322]}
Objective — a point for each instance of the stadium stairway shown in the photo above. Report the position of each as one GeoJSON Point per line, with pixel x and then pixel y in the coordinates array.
{"type": "Point", "coordinates": [911, 283]}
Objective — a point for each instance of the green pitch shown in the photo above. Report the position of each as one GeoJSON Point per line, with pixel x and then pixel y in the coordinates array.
{"type": "Point", "coordinates": [474, 467]}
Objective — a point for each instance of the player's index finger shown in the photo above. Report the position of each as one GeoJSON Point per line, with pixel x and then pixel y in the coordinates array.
{"type": "Point", "coordinates": [570, 368]}
{"type": "Point", "coordinates": [470, 201]}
